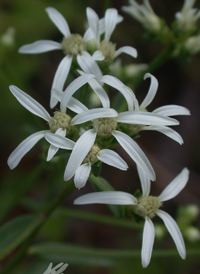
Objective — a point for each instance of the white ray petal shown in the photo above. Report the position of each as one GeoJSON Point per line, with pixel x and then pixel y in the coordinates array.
{"type": "Point", "coordinates": [40, 47]}
{"type": "Point", "coordinates": [92, 114]}
{"type": "Point", "coordinates": [111, 158]}
{"type": "Point", "coordinates": [174, 230]}
{"type": "Point", "coordinates": [59, 271]}
{"type": "Point", "coordinates": [145, 182]}
{"type": "Point", "coordinates": [58, 20]}
{"type": "Point", "coordinates": [72, 88]}
{"type": "Point", "coordinates": [100, 92]}
{"type": "Point", "coordinates": [171, 133]}
{"type": "Point", "coordinates": [145, 118]}
{"type": "Point", "coordinates": [60, 78]}
{"type": "Point", "coordinates": [110, 22]}
{"type": "Point", "coordinates": [128, 50]}
{"type": "Point", "coordinates": [24, 147]}
{"type": "Point", "coordinates": [98, 56]}
{"type": "Point", "coordinates": [107, 197]}
{"type": "Point", "coordinates": [88, 65]}
{"type": "Point", "coordinates": [171, 110]}
{"type": "Point", "coordinates": [59, 141]}
{"type": "Point", "coordinates": [52, 149]}
{"type": "Point", "coordinates": [135, 152]}
{"type": "Point", "coordinates": [76, 106]}
{"type": "Point", "coordinates": [93, 21]}
{"type": "Point", "coordinates": [117, 84]}
{"type": "Point", "coordinates": [175, 187]}
{"type": "Point", "coordinates": [152, 90]}
{"type": "Point", "coordinates": [79, 152]}
{"type": "Point", "coordinates": [81, 175]}
{"type": "Point", "coordinates": [147, 241]}
{"type": "Point", "coordinates": [29, 103]}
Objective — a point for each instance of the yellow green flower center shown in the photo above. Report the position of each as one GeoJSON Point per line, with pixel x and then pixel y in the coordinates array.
{"type": "Point", "coordinates": [73, 44]}
{"type": "Point", "coordinates": [60, 120]}
{"type": "Point", "coordinates": [147, 206]}
{"type": "Point", "coordinates": [105, 126]}
{"type": "Point", "coordinates": [92, 155]}
{"type": "Point", "coordinates": [108, 50]}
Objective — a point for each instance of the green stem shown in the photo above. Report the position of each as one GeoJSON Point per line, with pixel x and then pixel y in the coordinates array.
{"type": "Point", "coordinates": [22, 252]}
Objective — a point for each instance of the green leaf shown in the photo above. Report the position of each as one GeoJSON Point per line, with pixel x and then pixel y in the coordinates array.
{"type": "Point", "coordinates": [71, 254]}
{"type": "Point", "coordinates": [100, 184]}
{"type": "Point", "coordinates": [13, 233]}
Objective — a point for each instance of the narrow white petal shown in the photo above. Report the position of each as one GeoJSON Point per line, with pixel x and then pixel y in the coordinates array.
{"type": "Point", "coordinates": [24, 147]}
{"type": "Point", "coordinates": [98, 56]}
{"type": "Point", "coordinates": [110, 22]}
{"type": "Point", "coordinates": [145, 182]}
{"type": "Point", "coordinates": [72, 88]}
{"type": "Point", "coordinates": [59, 271]}
{"type": "Point", "coordinates": [145, 118]}
{"type": "Point", "coordinates": [171, 110]}
{"type": "Point", "coordinates": [88, 65]}
{"type": "Point", "coordinates": [92, 114]}
{"type": "Point", "coordinates": [171, 133]}
{"type": "Point", "coordinates": [111, 158]}
{"type": "Point", "coordinates": [81, 175]}
{"type": "Point", "coordinates": [152, 90]}
{"type": "Point", "coordinates": [52, 149]}
{"type": "Point", "coordinates": [100, 92]}
{"type": "Point", "coordinates": [135, 152]}
{"type": "Point", "coordinates": [107, 197]}
{"type": "Point", "coordinates": [174, 230]}
{"type": "Point", "coordinates": [56, 267]}
{"type": "Point", "coordinates": [60, 78]}
{"type": "Point", "coordinates": [79, 152]}
{"type": "Point", "coordinates": [93, 21]}
{"type": "Point", "coordinates": [147, 241]}
{"type": "Point", "coordinates": [76, 106]}
{"type": "Point", "coordinates": [59, 141]}
{"type": "Point", "coordinates": [29, 103]}
{"type": "Point", "coordinates": [117, 84]}
{"type": "Point", "coordinates": [40, 47]}
{"type": "Point", "coordinates": [58, 20]}
{"type": "Point", "coordinates": [128, 50]}
{"type": "Point", "coordinates": [175, 187]}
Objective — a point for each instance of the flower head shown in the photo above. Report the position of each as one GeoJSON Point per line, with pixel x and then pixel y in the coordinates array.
{"type": "Point", "coordinates": [147, 207]}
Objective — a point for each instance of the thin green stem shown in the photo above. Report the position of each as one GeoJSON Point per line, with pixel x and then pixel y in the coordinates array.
{"type": "Point", "coordinates": [22, 252]}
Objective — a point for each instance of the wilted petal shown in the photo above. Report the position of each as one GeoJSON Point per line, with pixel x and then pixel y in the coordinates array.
{"type": "Point", "coordinates": [24, 147]}
{"type": "Point", "coordinates": [152, 91]}
{"type": "Point", "coordinates": [175, 187]}
{"type": "Point", "coordinates": [135, 152]}
{"type": "Point", "coordinates": [174, 230]}
{"type": "Point", "coordinates": [107, 197]}
{"type": "Point", "coordinates": [110, 22]}
{"type": "Point", "coordinates": [147, 241]}
{"type": "Point", "coordinates": [29, 103]}
{"type": "Point", "coordinates": [76, 106]}
{"type": "Point", "coordinates": [53, 149]}
{"type": "Point", "coordinates": [40, 47]}
{"type": "Point", "coordinates": [81, 175]}
{"type": "Point", "coordinates": [111, 158]}
{"type": "Point", "coordinates": [171, 110]}
{"type": "Point", "coordinates": [128, 50]}
{"type": "Point", "coordinates": [58, 20]}
{"type": "Point", "coordinates": [169, 132]}
{"type": "Point", "coordinates": [60, 78]}
{"type": "Point", "coordinates": [145, 182]}
{"type": "Point", "coordinates": [100, 92]}
{"type": "Point", "coordinates": [145, 118]}
{"type": "Point", "coordinates": [59, 141]}
{"type": "Point", "coordinates": [92, 114]}
{"type": "Point", "coordinates": [79, 152]}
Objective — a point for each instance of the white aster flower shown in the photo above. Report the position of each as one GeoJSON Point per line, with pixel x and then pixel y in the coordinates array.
{"type": "Point", "coordinates": [107, 48]}
{"type": "Point", "coordinates": [147, 207]}
{"type": "Point", "coordinates": [145, 15]}
{"type": "Point", "coordinates": [166, 111]}
{"type": "Point", "coordinates": [58, 269]}
{"type": "Point", "coordinates": [186, 19]}
{"type": "Point", "coordinates": [60, 124]}
{"type": "Point", "coordinates": [84, 154]}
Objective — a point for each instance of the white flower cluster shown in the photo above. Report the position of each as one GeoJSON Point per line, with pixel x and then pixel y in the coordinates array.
{"type": "Point", "coordinates": [99, 128]}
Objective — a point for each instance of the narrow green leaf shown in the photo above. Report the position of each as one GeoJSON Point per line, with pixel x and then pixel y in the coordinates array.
{"type": "Point", "coordinates": [13, 233]}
